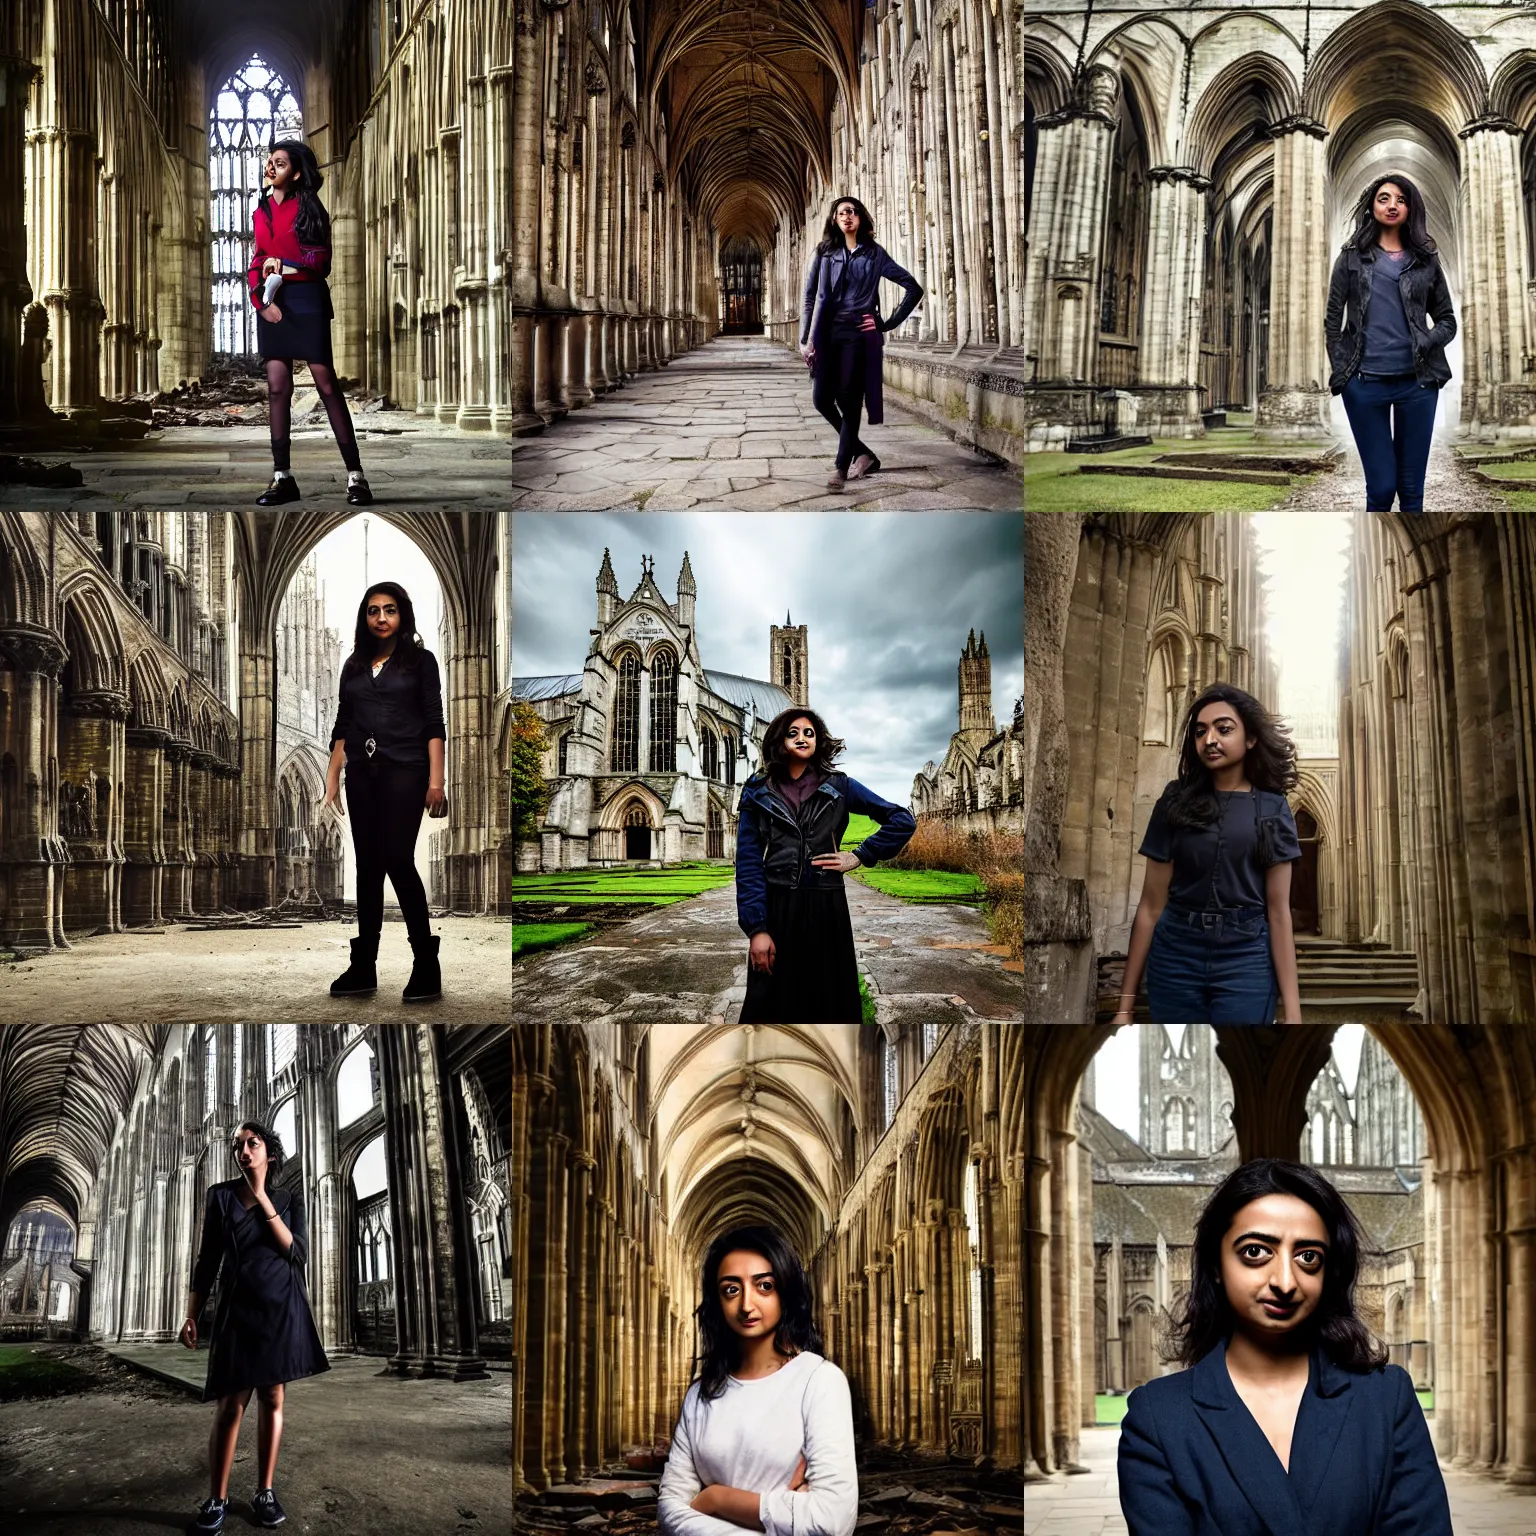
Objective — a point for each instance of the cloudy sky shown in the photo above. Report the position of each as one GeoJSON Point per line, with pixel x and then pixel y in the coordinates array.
{"type": "Point", "coordinates": [887, 598]}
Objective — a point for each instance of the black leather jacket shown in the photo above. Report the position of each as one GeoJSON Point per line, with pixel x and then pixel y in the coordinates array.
{"type": "Point", "coordinates": [1425, 293]}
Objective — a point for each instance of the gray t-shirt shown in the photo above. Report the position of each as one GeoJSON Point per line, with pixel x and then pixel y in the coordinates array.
{"type": "Point", "coordinates": [1388, 341]}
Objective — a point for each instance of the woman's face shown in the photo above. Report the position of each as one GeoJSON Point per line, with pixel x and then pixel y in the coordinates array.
{"type": "Point", "coordinates": [282, 173]}
{"type": "Point", "coordinates": [1273, 1259]}
{"type": "Point", "coordinates": [847, 217]}
{"type": "Point", "coordinates": [250, 1151]}
{"type": "Point", "coordinates": [749, 1295]}
{"type": "Point", "coordinates": [1390, 205]}
{"type": "Point", "coordinates": [800, 740]}
{"type": "Point", "coordinates": [1220, 738]}
{"type": "Point", "coordinates": [383, 614]}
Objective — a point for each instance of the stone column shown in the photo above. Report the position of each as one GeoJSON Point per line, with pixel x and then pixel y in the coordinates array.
{"type": "Point", "coordinates": [144, 787]}
{"type": "Point", "coordinates": [579, 1309]}
{"type": "Point", "coordinates": [16, 72]}
{"type": "Point", "coordinates": [91, 759]}
{"type": "Point", "coordinates": [323, 1194]}
{"type": "Point", "coordinates": [1519, 1218]}
{"type": "Point", "coordinates": [176, 881]}
{"type": "Point", "coordinates": [424, 1148]}
{"type": "Point", "coordinates": [1498, 388]}
{"type": "Point", "coordinates": [35, 854]}
{"type": "Point", "coordinates": [527, 99]}
{"type": "Point", "coordinates": [1294, 403]}
{"type": "Point", "coordinates": [258, 834]}
{"type": "Point", "coordinates": [1171, 300]}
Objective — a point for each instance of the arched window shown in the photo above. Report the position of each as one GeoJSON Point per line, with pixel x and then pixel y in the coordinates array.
{"type": "Point", "coordinates": [564, 743]}
{"type": "Point", "coordinates": [930, 1039]}
{"type": "Point", "coordinates": [370, 1183]}
{"type": "Point", "coordinates": [282, 1044]}
{"type": "Point", "coordinates": [210, 1071]}
{"type": "Point", "coordinates": [356, 1084]}
{"type": "Point", "coordinates": [973, 1265]}
{"type": "Point", "coordinates": [710, 751]}
{"type": "Point", "coordinates": [664, 713]}
{"type": "Point", "coordinates": [1174, 1138]}
{"type": "Point", "coordinates": [888, 1078]}
{"type": "Point", "coordinates": [728, 747]}
{"type": "Point", "coordinates": [625, 754]}
{"type": "Point", "coordinates": [714, 836]}
{"type": "Point", "coordinates": [788, 678]}
{"type": "Point", "coordinates": [285, 1126]}
{"type": "Point", "coordinates": [252, 110]}
{"type": "Point", "coordinates": [1319, 1139]}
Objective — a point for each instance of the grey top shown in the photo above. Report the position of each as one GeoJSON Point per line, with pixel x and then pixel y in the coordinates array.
{"type": "Point", "coordinates": [1388, 341]}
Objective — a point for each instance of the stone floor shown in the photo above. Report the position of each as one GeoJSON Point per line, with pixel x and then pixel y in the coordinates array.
{"type": "Point", "coordinates": [362, 1455]}
{"type": "Point", "coordinates": [731, 425]}
{"type": "Point", "coordinates": [409, 461]}
{"type": "Point", "coordinates": [175, 975]}
{"type": "Point", "coordinates": [1088, 1504]}
{"type": "Point", "coordinates": [687, 963]}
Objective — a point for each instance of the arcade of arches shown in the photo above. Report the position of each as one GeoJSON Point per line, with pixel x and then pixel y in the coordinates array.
{"type": "Point", "coordinates": [890, 1159]}
{"type": "Point", "coordinates": [117, 223]}
{"type": "Point", "coordinates": [138, 713]}
{"type": "Point", "coordinates": [1422, 832]}
{"type": "Point", "coordinates": [1190, 177]}
{"type": "Point", "coordinates": [1474, 1086]}
{"type": "Point", "coordinates": [674, 162]}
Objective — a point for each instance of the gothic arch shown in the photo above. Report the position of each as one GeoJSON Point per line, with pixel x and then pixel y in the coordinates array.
{"type": "Point", "coordinates": [634, 793]}
{"type": "Point", "coordinates": [92, 635]}
{"type": "Point", "coordinates": [1243, 98]}
{"type": "Point", "coordinates": [23, 581]}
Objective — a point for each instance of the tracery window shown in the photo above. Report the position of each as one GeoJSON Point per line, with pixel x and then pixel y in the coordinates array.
{"type": "Point", "coordinates": [714, 837]}
{"type": "Point", "coordinates": [888, 1078]}
{"type": "Point", "coordinates": [252, 110]}
{"type": "Point", "coordinates": [626, 717]}
{"type": "Point", "coordinates": [973, 1264]}
{"type": "Point", "coordinates": [711, 755]}
{"type": "Point", "coordinates": [210, 1071]}
{"type": "Point", "coordinates": [664, 713]}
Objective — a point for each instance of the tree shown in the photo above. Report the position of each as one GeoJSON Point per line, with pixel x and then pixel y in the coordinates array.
{"type": "Point", "coordinates": [529, 791]}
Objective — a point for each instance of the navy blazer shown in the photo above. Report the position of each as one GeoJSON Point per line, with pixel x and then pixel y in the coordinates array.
{"type": "Point", "coordinates": [1194, 1462]}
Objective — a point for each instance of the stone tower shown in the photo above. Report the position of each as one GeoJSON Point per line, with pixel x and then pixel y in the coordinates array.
{"type": "Point", "coordinates": [788, 663]}
{"type": "Point", "coordinates": [976, 688]}
{"type": "Point", "coordinates": [1186, 1095]}
{"type": "Point", "coordinates": [607, 592]}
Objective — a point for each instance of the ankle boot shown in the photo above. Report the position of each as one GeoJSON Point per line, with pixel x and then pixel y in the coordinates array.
{"type": "Point", "coordinates": [361, 978]}
{"type": "Point", "coordinates": [426, 980]}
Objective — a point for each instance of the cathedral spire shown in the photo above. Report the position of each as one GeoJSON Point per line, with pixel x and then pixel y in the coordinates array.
{"type": "Point", "coordinates": [685, 579]}
{"type": "Point", "coordinates": [606, 580]}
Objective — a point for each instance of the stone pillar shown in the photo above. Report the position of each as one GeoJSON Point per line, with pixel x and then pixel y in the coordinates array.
{"type": "Point", "coordinates": [1066, 1303]}
{"type": "Point", "coordinates": [258, 711]}
{"type": "Point", "coordinates": [579, 1309]}
{"type": "Point", "coordinates": [328, 1266]}
{"type": "Point", "coordinates": [1294, 403]}
{"type": "Point", "coordinates": [176, 880]}
{"type": "Point", "coordinates": [1498, 388]}
{"type": "Point", "coordinates": [144, 788]}
{"type": "Point", "coordinates": [16, 72]}
{"type": "Point", "coordinates": [34, 853]}
{"type": "Point", "coordinates": [1171, 300]}
{"type": "Point", "coordinates": [91, 763]}
{"type": "Point", "coordinates": [1519, 1219]}
{"type": "Point", "coordinates": [424, 1148]}
{"type": "Point", "coordinates": [527, 101]}
{"type": "Point", "coordinates": [1066, 234]}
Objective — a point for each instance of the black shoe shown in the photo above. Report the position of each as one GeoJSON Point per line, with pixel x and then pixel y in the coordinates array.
{"type": "Point", "coordinates": [426, 980]}
{"type": "Point", "coordinates": [359, 495]}
{"type": "Point", "coordinates": [361, 978]}
{"type": "Point", "coordinates": [283, 488]}
{"type": "Point", "coordinates": [211, 1516]}
{"type": "Point", "coordinates": [267, 1509]}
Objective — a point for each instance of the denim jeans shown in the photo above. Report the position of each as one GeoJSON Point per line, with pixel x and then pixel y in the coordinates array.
{"type": "Point", "coordinates": [1392, 419]}
{"type": "Point", "coordinates": [1212, 968]}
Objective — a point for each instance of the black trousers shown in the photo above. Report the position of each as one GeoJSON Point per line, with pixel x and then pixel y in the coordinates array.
{"type": "Point", "coordinates": [385, 802]}
{"type": "Point", "coordinates": [838, 392]}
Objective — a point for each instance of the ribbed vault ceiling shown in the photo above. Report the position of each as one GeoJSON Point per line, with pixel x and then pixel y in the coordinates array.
{"type": "Point", "coordinates": [63, 1089]}
{"type": "Point", "coordinates": [749, 1123]}
{"type": "Point", "coordinates": [748, 87]}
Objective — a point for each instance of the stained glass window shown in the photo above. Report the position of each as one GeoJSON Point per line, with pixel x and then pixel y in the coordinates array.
{"type": "Point", "coordinates": [664, 713]}
{"type": "Point", "coordinates": [252, 110]}
{"type": "Point", "coordinates": [626, 716]}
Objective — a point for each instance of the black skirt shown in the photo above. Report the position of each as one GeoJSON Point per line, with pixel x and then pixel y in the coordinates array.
{"type": "Point", "coordinates": [305, 329]}
{"type": "Point", "coordinates": [815, 977]}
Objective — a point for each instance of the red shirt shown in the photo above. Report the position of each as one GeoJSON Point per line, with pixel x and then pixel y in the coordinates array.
{"type": "Point", "coordinates": [275, 236]}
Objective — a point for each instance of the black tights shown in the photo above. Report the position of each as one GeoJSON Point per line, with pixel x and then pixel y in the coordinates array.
{"type": "Point", "coordinates": [385, 802]}
{"type": "Point", "coordinates": [280, 405]}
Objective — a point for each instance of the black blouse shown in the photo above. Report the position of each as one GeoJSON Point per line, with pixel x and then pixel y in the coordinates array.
{"type": "Point", "coordinates": [400, 711]}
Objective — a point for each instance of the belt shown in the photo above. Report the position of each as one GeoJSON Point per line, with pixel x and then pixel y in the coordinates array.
{"type": "Point", "coordinates": [1213, 922]}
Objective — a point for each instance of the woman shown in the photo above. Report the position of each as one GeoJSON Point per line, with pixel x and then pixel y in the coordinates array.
{"type": "Point", "coordinates": [1288, 1418]}
{"type": "Point", "coordinates": [1388, 361]}
{"type": "Point", "coordinates": [1213, 926]}
{"type": "Point", "coordinates": [790, 901]}
{"type": "Point", "coordinates": [842, 334]}
{"type": "Point", "coordinates": [765, 1438]}
{"type": "Point", "coordinates": [292, 243]}
{"type": "Point", "coordinates": [389, 732]}
{"type": "Point", "coordinates": [263, 1334]}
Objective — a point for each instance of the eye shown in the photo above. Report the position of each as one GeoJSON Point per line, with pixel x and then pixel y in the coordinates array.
{"type": "Point", "coordinates": [1248, 1250]}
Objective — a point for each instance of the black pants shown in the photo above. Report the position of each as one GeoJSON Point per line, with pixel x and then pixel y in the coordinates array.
{"type": "Point", "coordinates": [385, 802]}
{"type": "Point", "coordinates": [838, 392]}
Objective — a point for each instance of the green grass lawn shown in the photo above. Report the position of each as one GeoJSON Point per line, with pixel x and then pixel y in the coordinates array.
{"type": "Point", "coordinates": [923, 884]}
{"type": "Point", "coordinates": [859, 827]}
{"type": "Point", "coordinates": [1110, 1409]}
{"type": "Point", "coordinates": [25, 1374]}
{"type": "Point", "coordinates": [866, 1002]}
{"type": "Point", "coordinates": [530, 938]}
{"type": "Point", "coordinates": [656, 887]}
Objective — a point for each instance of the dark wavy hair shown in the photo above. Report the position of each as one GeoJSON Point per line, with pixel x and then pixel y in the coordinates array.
{"type": "Point", "coordinates": [832, 236]}
{"type": "Point", "coordinates": [775, 754]}
{"type": "Point", "coordinates": [1204, 1317]}
{"type": "Point", "coordinates": [276, 1156]}
{"type": "Point", "coordinates": [1270, 763]}
{"type": "Point", "coordinates": [796, 1331]}
{"type": "Point", "coordinates": [408, 644]}
{"type": "Point", "coordinates": [1415, 233]}
{"type": "Point", "coordinates": [313, 224]}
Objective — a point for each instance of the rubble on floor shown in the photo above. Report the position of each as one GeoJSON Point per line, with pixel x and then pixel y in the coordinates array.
{"type": "Point", "coordinates": [16, 469]}
{"type": "Point", "coordinates": [233, 393]}
{"type": "Point", "coordinates": [291, 912]}
{"type": "Point", "coordinates": [902, 1494]}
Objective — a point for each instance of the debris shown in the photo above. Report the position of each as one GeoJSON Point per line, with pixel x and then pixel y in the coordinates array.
{"type": "Point", "coordinates": [15, 470]}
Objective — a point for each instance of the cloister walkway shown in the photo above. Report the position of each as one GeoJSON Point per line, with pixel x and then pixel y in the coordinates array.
{"type": "Point", "coordinates": [731, 425]}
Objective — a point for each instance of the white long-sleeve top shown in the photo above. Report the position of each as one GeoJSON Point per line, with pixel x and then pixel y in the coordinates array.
{"type": "Point", "coordinates": [752, 1437]}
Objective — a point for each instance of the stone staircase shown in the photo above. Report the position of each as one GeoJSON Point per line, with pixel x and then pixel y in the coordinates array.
{"type": "Point", "coordinates": [1340, 984]}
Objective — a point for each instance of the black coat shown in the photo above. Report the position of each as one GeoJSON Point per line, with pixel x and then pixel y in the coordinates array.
{"type": "Point", "coordinates": [263, 1332]}
{"type": "Point", "coordinates": [1424, 292]}
{"type": "Point", "coordinates": [400, 711]}
{"type": "Point", "coordinates": [1194, 1462]}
